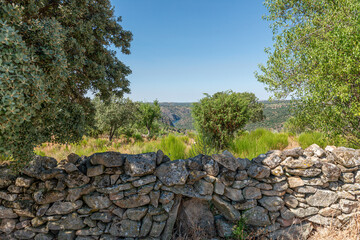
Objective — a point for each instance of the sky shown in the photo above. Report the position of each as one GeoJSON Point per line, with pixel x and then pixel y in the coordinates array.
{"type": "Point", "coordinates": [184, 48]}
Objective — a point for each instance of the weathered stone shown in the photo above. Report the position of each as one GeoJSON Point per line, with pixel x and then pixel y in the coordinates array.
{"type": "Point", "coordinates": [272, 203]}
{"type": "Point", "coordinates": [264, 186]}
{"type": "Point", "coordinates": [226, 209]}
{"type": "Point", "coordinates": [146, 225]}
{"type": "Point", "coordinates": [294, 153]}
{"type": "Point", "coordinates": [301, 162]}
{"type": "Point", "coordinates": [224, 228]}
{"type": "Point", "coordinates": [195, 175]}
{"type": "Point", "coordinates": [24, 234]}
{"type": "Point", "coordinates": [233, 194]}
{"type": "Point", "coordinates": [196, 213]}
{"type": "Point", "coordinates": [345, 195]}
{"type": "Point", "coordinates": [136, 214]}
{"type": "Point", "coordinates": [140, 164]}
{"type": "Point", "coordinates": [95, 170]}
{"type": "Point", "coordinates": [305, 212]}
{"type": "Point", "coordinates": [219, 187]}
{"type": "Point", "coordinates": [272, 193]}
{"type": "Point", "coordinates": [73, 158]}
{"type": "Point", "coordinates": [133, 201]}
{"type": "Point", "coordinates": [168, 230]}
{"type": "Point", "coordinates": [125, 228]}
{"type": "Point", "coordinates": [227, 160]}
{"type": "Point", "coordinates": [315, 150]}
{"type": "Point", "coordinates": [38, 165]}
{"type": "Point", "coordinates": [62, 208]}
{"type": "Point", "coordinates": [244, 163]}
{"type": "Point", "coordinates": [322, 198]}
{"type": "Point", "coordinates": [211, 167]}
{"type": "Point", "coordinates": [301, 232]}
{"type": "Point", "coordinates": [272, 159]}
{"type": "Point", "coordinates": [330, 212]}
{"type": "Point", "coordinates": [167, 207]}
{"type": "Point", "coordinates": [154, 198]}
{"type": "Point", "coordinates": [42, 197]}
{"type": "Point", "coordinates": [286, 213]}
{"type": "Point", "coordinates": [278, 171]}
{"type": "Point", "coordinates": [203, 187]}
{"type": "Point", "coordinates": [70, 167]}
{"type": "Point", "coordinates": [107, 159]}
{"type": "Point", "coordinates": [102, 216]}
{"type": "Point", "coordinates": [76, 193]}
{"type": "Point", "coordinates": [91, 231]}
{"type": "Point", "coordinates": [351, 187]}
{"type": "Point", "coordinates": [166, 197]}
{"type": "Point", "coordinates": [97, 201]}
{"type": "Point", "coordinates": [8, 197]}
{"type": "Point", "coordinates": [324, 221]}
{"type": "Point", "coordinates": [306, 189]}
{"type": "Point", "coordinates": [186, 190]}
{"type": "Point", "coordinates": [245, 205]}
{"type": "Point", "coordinates": [257, 216]}
{"type": "Point", "coordinates": [331, 172]}
{"type": "Point", "coordinates": [252, 193]}
{"type": "Point", "coordinates": [280, 186]}
{"type": "Point", "coordinates": [23, 182]}
{"type": "Point", "coordinates": [156, 229]}
{"type": "Point", "coordinates": [44, 236]}
{"type": "Point", "coordinates": [7, 225]}
{"type": "Point", "coordinates": [143, 181]}
{"type": "Point", "coordinates": [69, 222]}
{"type": "Point", "coordinates": [309, 172]}
{"type": "Point", "coordinates": [172, 173]}
{"type": "Point", "coordinates": [348, 206]}
{"type": "Point", "coordinates": [115, 188]}
{"type": "Point", "coordinates": [291, 201]}
{"type": "Point", "coordinates": [76, 179]}
{"type": "Point", "coordinates": [159, 157]}
{"type": "Point", "coordinates": [345, 157]}
{"type": "Point", "coordinates": [347, 177]}
{"type": "Point", "coordinates": [161, 217]}
{"type": "Point", "coordinates": [258, 171]}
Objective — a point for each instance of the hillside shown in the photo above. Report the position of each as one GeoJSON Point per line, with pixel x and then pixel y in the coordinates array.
{"type": "Point", "coordinates": [179, 115]}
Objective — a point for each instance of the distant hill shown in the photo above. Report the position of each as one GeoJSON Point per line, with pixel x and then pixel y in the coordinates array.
{"type": "Point", "coordinates": [179, 115]}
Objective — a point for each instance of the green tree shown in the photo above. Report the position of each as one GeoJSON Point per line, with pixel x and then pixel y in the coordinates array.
{"type": "Point", "coordinates": [148, 115]}
{"type": "Point", "coordinates": [51, 54]}
{"type": "Point", "coordinates": [114, 114]}
{"type": "Point", "coordinates": [315, 59]}
{"type": "Point", "coordinates": [220, 116]}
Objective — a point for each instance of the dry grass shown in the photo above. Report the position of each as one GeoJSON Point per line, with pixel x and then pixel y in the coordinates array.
{"type": "Point", "coordinates": [350, 231]}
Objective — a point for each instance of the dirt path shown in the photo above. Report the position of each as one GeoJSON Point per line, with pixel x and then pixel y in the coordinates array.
{"type": "Point", "coordinates": [292, 143]}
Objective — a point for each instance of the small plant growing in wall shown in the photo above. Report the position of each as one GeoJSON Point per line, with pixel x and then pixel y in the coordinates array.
{"type": "Point", "coordinates": [239, 230]}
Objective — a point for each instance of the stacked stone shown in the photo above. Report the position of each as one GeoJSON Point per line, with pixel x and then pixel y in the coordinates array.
{"type": "Point", "coordinates": [115, 196]}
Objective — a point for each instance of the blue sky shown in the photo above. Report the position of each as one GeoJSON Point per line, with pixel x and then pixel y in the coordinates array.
{"type": "Point", "coordinates": [184, 48]}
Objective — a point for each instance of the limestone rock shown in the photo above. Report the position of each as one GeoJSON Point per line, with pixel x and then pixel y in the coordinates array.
{"type": "Point", "coordinates": [252, 193]}
{"type": "Point", "coordinates": [324, 221]}
{"type": "Point", "coordinates": [245, 205]}
{"type": "Point", "coordinates": [300, 232]}
{"type": "Point", "coordinates": [315, 150]}
{"type": "Point", "coordinates": [294, 153]}
{"type": "Point", "coordinates": [258, 171]}
{"type": "Point", "coordinates": [233, 194]}
{"type": "Point", "coordinates": [133, 201]}
{"type": "Point", "coordinates": [145, 180]}
{"type": "Point", "coordinates": [107, 159]}
{"type": "Point", "coordinates": [305, 212]}
{"type": "Point", "coordinates": [136, 214]}
{"type": "Point", "coordinates": [140, 164]}
{"type": "Point", "coordinates": [346, 157]}
{"type": "Point", "coordinates": [7, 225]}
{"type": "Point", "coordinates": [172, 173]}
{"type": "Point", "coordinates": [76, 179]}
{"type": "Point", "coordinates": [156, 229]}
{"type": "Point", "coordinates": [257, 216]}
{"type": "Point", "coordinates": [211, 167]}
{"type": "Point", "coordinates": [309, 172]}
{"type": "Point", "coordinates": [291, 201]}
{"type": "Point", "coordinates": [301, 162]}
{"type": "Point", "coordinates": [24, 234]}
{"type": "Point", "coordinates": [226, 209]}
{"type": "Point", "coordinates": [331, 172]}
{"type": "Point", "coordinates": [322, 198]}
{"type": "Point", "coordinates": [42, 197]}
{"type": "Point", "coordinates": [224, 228]}
{"type": "Point", "coordinates": [330, 212]}
{"type": "Point", "coordinates": [97, 201]}
{"type": "Point", "coordinates": [95, 170]}
{"type": "Point", "coordinates": [62, 208]}
{"type": "Point", "coordinates": [125, 228]}
{"type": "Point", "coordinates": [23, 182]}
{"type": "Point", "coordinates": [348, 206]}
{"type": "Point", "coordinates": [203, 187]}
{"type": "Point", "coordinates": [227, 160]}
{"type": "Point", "coordinates": [166, 197]}
{"type": "Point", "coordinates": [272, 159]}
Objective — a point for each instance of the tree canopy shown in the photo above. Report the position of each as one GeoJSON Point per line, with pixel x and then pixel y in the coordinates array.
{"type": "Point", "coordinates": [315, 59]}
{"type": "Point", "coordinates": [220, 116]}
{"type": "Point", "coordinates": [148, 115]}
{"type": "Point", "coordinates": [51, 54]}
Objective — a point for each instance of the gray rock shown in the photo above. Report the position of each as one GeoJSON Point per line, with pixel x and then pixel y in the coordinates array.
{"type": "Point", "coordinates": [330, 212]}
{"type": "Point", "coordinates": [295, 182]}
{"type": "Point", "coordinates": [125, 228]}
{"type": "Point", "coordinates": [159, 157]}
{"type": "Point", "coordinates": [44, 236]}
{"type": "Point", "coordinates": [133, 201]}
{"type": "Point", "coordinates": [211, 167]}
{"type": "Point", "coordinates": [140, 164]}
{"type": "Point", "coordinates": [102, 216]}
{"type": "Point", "coordinates": [136, 214]}
{"type": "Point", "coordinates": [300, 232]}
{"type": "Point", "coordinates": [219, 187]}
{"type": "Point", "coordinates": [227, 160]}
{"type": "Point", "coordinates": [301, 162]}
{"type": "Point", "coordinates": [76, 193]}
{"type": "Point", "coordinates": [224, 228]}
{"type": "Point", "coordinates": [70, 167]}
{"type": "Point", "coordinates": [62, 208]}
{"type": "Point", "coordinates": [68, 222]}
{"type": "Point", "coordinates": [166, 197]}
{"type": "Point", "coordinates": [24, 234]}
{"type": "Point", "coordinates": [97, 201]}
{"type": "Point", "coordinates": [309, 172]}
{"type": "Point", "coordinates": [168, 230]}
{"type": "Point", "coordinates": [107, 159]}
{"type": "Point", "coordinates": [324, 221]}
{"type": "Point", "coordinates": [186, 190]}
{"type": "Point", "coordinates": [306, 189]}
{"type": "Point", "coordinates": [291, 201]}
{"type": "Point", "coordinates": [315, 150]}
{"type": "Point", "coordinates": [295, 153]}
{"type": "Point", "coordinates": [252, 193]}
{"type": "Point", "coordinates": [347, 177]}
{"type": "Point", "coordinates": [304, 212]}
{"type": "Point", "coordinates": [322, 198]}
{"type": "Point", "coordinates": [8, 197]}
{"type": "Point", "coordinates": [172, 173]}
{"type": "Point", "coordinates": [226, 209]}
{"type": "Point", "coordinates": [348, 206]}
{"type": "Point", "coordinates": [345, 157]}
{"type": "Point", "coordinates": [24, 182]}
{"type": "Point", "coordinates": [154, 198]}
{"type": "Point", "coordinates": [245, 205]}
{"type": "Point", "coordinates": [280, 186]}
{"type": "Point", "coordinates": [264, 186]}
{"type": "Point", "coordinates": [233, 194]}
{"type": "Point", "coordinates": [258, 171]}
{"type": "Point", "coordinates": [278, 171]}
{"type": "Point", "coordinates": [195, 175]}
{"type": "Point", "coordinates": [272, 159]}
{"type": "Point", "coordinates": [42, 197]}
{"type": "Point", "coordinates": [95, 170]}
{"type": "Point", "coordinates": [7, 225]}
{"type": "Point", "coordinates": [241, 175]}
{"type": "Point", "coordinates": [161, 217]}
{"type": "Point", "coordinates": [331, 172]}
{"type": "Point", "coordinates": [146, 225]}
{"type": "Point", "coordinates": [203, 187]}
{"type": "Point", "coordinates": [38, 165]}
{"type": "Point", "coordinates": [157, 228]}
{"type": "Point", "coordinates": [76, 179]}
{"type": "Point", "coordinates": [257, 216]}
{"type": "Point", "coordinates": [286, 213]}
{"type": "Point", "coordinates": [143, 190]}
{"type": "Point", "coordinates": [272, 203]}
{"type": "Point", "coordinates": [145, 180]}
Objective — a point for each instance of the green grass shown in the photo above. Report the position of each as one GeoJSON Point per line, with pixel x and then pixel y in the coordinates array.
{"type": "Point", "coordinates": [308, 138]}
{"type": "Point", "coordinates": [174, 147]}
{"type": "Point", "coordinates": [250, 145]}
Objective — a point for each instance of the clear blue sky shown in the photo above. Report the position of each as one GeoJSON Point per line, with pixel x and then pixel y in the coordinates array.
{"type": "Point", "coordinates": [184, 48]}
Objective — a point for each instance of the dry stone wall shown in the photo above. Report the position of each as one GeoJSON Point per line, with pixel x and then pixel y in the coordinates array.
{"type": "Point", "coordinates": [281, 194]}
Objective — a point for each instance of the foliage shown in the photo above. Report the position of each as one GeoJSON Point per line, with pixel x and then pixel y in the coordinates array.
{"type": "Point", "coordinates": [149, 114]}
{"type": "Point", "coordinates": [51, 54]}
{"type": "Point", "coordinates": [173, 147]}
{"type": "Point", "coordinates": [308, 138]}
{"type": "Point", "coordinates": [220, 116]}
{"type": "Point", "coordinates": [114, 114]}
{"type": "Point", "coordinates": [294, 126]}
{"type": "Point", "coordinates": [315, 60]}
{"type": "Point", "coordinates": [239, 230]}
{"type": "Point", "coordinates": [202, 145]}
{"type": "Point", "coordinates": [250, 145]}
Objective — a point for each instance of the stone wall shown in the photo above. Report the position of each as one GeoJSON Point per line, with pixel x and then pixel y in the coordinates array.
{"type": "Point", "coordinates": [145, 196]}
